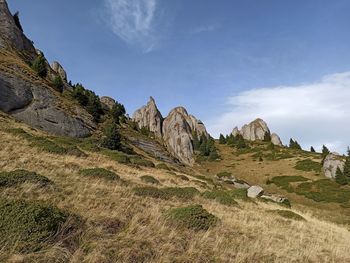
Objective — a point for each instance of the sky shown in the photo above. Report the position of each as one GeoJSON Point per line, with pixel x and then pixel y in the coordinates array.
{"type": "Point", "coordinates": [227, 62]}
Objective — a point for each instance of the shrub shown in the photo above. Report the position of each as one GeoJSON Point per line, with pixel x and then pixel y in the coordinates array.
{"type": "Point", "coordinates": [193, 217]}
{"type": "Point", "coordinates": [39, 66]}
{"type": "Point", "coordinates": [149, 191]}
{"type": "Point", "coordinates": [308, 165]}
{"type": "Point", "coordinates": [284, 181]}
{"type": "Point", "coordinates": [224, 175]}
{"type": "Point", "coordinates": [149, 179]}
{"type": "Point", "coordinates": [116, 156]}
{"type": "Point", "coordinates": [117, 112]}
{"type": "Point", "coordinates": [163, 166]}
{"type": "Point", "coordinates": [222, 197]}
{"type": "Point", "coordinates": [340, 177]}
{"type": "Point", "coordinates": [17, 177]}
{"type": "Point", "coordinates": [288, 214]}
{"type": "Point", "coordinates": [142, 162]}
{"type": "Point", "coordinates": [57, 83]}
{"type": "Point", "coordinates": [28, 226]}
{"type": "Point", "coordinates": [112, 139]}
{"type": "Point", "coordinates": [100, 173]}
{"type": "Point", "coordinates": [240, 194]}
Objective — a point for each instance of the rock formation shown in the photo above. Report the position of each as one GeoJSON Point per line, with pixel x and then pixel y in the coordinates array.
{"type": "Point", "coordinates": [255, 191]}
{"type": "Point", "coordinates": [26, 96]}
{"type": "Point", "coordinates": [331, 163]}
{"type": "Point", "coordinates": [276, 140]}
{"type": "Point", "coordinates": [149, 117]}
{"type": "Point", "coordinates": [11, 35]}
{"type": "Point", "coordinates": [57, 68]}
{"type": "Point", "coordinates": [176, 130]}
{"type": "Point", "coordinates": [107, 103]}
{"type": "Point", "coordinates": [257, 130]}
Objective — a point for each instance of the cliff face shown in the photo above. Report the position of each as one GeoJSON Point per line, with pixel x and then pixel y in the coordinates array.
{"type": "Point", "coordinates": [25, 95]}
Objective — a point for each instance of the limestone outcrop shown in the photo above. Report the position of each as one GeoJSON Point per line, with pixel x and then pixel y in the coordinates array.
{"type": "Point", "coordinates": [331, 163]}
{"type": "Point", "coordinates": [257, 130]}
{"type": "Point", "coordinates": [107, 103]}
{"type": "Point", "coordinates": [57, 68]}
{"type": "Point", "coordinates": [149, 117]}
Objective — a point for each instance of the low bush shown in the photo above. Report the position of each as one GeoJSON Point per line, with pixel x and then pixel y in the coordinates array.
{"type": "Point", "coordinates": [17, 177]}
{"type": "Point", "coordinates": [149, 179]}
{"type": "Point", "coordinates": [240, 194]}
{"type": "Point", "coordinates": [153, 192]}
{"type": "Point", "coordinates": [224, 175]}
{"type": "Point", "coordinates": [288, 214]}
{"type": "Point", "coordinates": [163, 166]}
{"type": "Point", "coordinates": [28, 226]}
{"type": "Point", "coordinates": [284, 182]}
{"type": "Point", "coordinates": [100, 173]}
{"type": "Point", "coordinates": [192, 217]}
{"type": "Point", "coordinates": [221, 196]}
{"type": "Point", "coordinates": [308, 165]}
{"type": "Point", "coordinates": [141, 162]}
{"type": "Point", "coordinates": [205, 178]}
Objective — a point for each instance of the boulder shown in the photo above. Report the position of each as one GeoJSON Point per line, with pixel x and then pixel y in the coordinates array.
{"type": "Point", "coordinates": [107, 103]}
{"type": "Point", "coordinates": [255, 191]}
{"type": "Point", "coordinates": [149, 117]}
{"type": "Point", "coordinates": [331, 163]}
{"type": "Point", "coordinates": [255, 130]}
{"type": "Point", "coordinates": [276, 140]}
{"type": "Point", "coordinates": [57, 68]}
{"type": "Point", "coordinates": [177, 135]}
{"type": "Point", "coordinates": [12, 36]}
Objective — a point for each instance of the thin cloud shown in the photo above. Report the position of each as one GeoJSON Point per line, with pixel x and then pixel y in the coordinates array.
{"type": "Point", "coordinates": [133, 21]}
{"type": "Point", "coordinates": [207, 28]}
{"type": "Point", "coordinates": [314, 114]}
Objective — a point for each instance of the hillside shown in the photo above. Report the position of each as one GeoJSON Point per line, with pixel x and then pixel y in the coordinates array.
{"type": "Point", "coordinates": [120, 222]}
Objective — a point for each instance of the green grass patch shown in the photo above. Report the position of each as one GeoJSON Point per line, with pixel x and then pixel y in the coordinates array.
{"type": "Point", "coordinates": [205, 178]}
{"type": "Point", "coordinates": [284, 182]}
{"type": "Point", "coordinates": [17, 177]}
{"type": "Point", "coordinates": [240, 194]}
{"type": "Point", "coordinates": [185, 193]}
{"type": "Point", "coordinates": [149, 179]}
{"type": "Point", "coordinates": [163, 166]}
{"type": "Point", "coordinates": [28, 226]}
{"type": "Point", "coordinates": [288, 214]}
{"type": "Point", "coordinates": [193, 217]}
{"type": "Point", "coordinates": [100, 173]}
{"type": "Point", "coordinates": [308, 165]}
{"type": "Point", "coordinates": [221, 196]}
{"type": "Point", "coordinates": [224, 175]}
{"type": "Point", "coordinates": [141, 162]}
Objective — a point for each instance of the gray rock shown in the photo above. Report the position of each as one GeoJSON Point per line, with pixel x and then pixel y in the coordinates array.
{"type": "Point", "coordinates": [11, 35]}
{"type": "Point", "coordinates": [149, 117]}
{"type": "Point", "coordinates": [235, 131]}
{"type": "Point", "coordinates": [197, 126]}
{"type": "Point", "coordinates": [240, 184]}
{"type": "Point", "coordinates": [57, 68]}
{"type": "Point", "coordinates": [332, 162]}
{"type": "Point", "coordinates": [177, 135]}
{"type": "Point", "coordinates": [255, 191]}
{"type": "Point", "coordinates": [107, 103]}
{"type": "Point", "coordinates": [276, 140]}
{"type": "Point", "coordinates": [255, 130]}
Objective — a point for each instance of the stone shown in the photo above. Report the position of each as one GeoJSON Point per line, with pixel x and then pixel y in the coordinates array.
{"type": "Point", "coordinates": [255, 130]}
{"type": "Point", "coordinates": [255, 191]}
{"type": "Point", "coordinates": [331, 163]}
{"type": "Point", "coordinates": [107, 103]}
{"type": "Point", "coordinates": [149, 117]}
{"type": "Point", "coordinates": [57, 68]}
{"type": "Point", "coordinates": [276, 140]}
{"type": "Point", "coordinates": [11, 36]}
{"type": "Point", "coordinates": [177, 135]}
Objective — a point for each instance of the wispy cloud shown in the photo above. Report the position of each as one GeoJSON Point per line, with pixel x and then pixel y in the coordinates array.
{"type": "Point", "coordinates": [314, 114]}
{"type": "Point", "coordinates": [206, 28]}
{"type": "Point", "coordinates": [133, 21]}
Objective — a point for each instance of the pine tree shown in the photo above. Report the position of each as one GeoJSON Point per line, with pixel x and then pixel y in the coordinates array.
{"type": "Point", "coordinates": [39, 65]}
{"type": "Point", "coordinates": [294, 145]}
{"type": "Point", "coordinates": [267, 137]}
{"type": "Point", "coordinates": [325, 152]}
{"type": "Point", "coordinates": [312, 149]}
{"type": "Point", "coordinates": [112, 139]}
{"type": "Point", "coordinates": [117, 112]}
{"type": "Point", "coordinates": [340, 177]}
{"type": "Point", "coordinates": [222, 139]}
{"type": "Point", "coordinates": [347, 166]}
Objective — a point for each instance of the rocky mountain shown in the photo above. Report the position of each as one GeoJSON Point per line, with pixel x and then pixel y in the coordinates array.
{"type": "Point", "coordinates": [257, 130]}
{"type": "Point", "coordinates": [57, 68]}
{"type": "Point", "coordinates": [176, 130]}
{"type": "Point", "coordinates": [150, 118]}
{"type": "Point", "coordinates": [28, 97]}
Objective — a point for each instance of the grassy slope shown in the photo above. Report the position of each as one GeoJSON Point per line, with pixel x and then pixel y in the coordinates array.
{"type": "Point", "coordinates": [123, 227]}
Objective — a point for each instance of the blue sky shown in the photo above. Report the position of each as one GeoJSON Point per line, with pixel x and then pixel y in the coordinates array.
{"type": "Point", "coordinates": [219, 59]}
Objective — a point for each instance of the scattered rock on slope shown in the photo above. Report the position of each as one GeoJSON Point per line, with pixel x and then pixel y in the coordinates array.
{"type": "Point", "coordinates": [332, 162]}
{"type": "Point", "coordinates": [149, 117]}
{"type": "Point", "coordinates": [255, 191]}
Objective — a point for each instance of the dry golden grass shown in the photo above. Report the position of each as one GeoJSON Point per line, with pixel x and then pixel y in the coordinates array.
{"type": "Point", "coordinates": [122, 227]}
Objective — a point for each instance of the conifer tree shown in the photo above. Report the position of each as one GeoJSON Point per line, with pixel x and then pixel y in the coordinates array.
{"type": "Point", "coordinates": [340, 177]}
{"type": "Point", "coordinates": [325, 152]}
{"type": "Point", "coordinates": [222, 139]}
{"type": "Point", "coordinates": [312, 149]}
{"type": "Point", "coordinates": [112, 139]}
{"type": "Point", "coordinates": [267, 137]}
{"type": "Point", "coordinates": [347, 166]}
{"type": "Point", "coordinates": [39, 65]}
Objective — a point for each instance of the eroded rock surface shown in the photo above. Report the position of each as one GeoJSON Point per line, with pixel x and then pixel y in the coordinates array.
{"type": "Point", "coordinates": [56, 67]}
{"type": "Point", "coordinates": [332, 162]}
{"type": "Point", "coordinates": [276, 140]}
{"type": "Point", "coordinates": [107, 102]}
